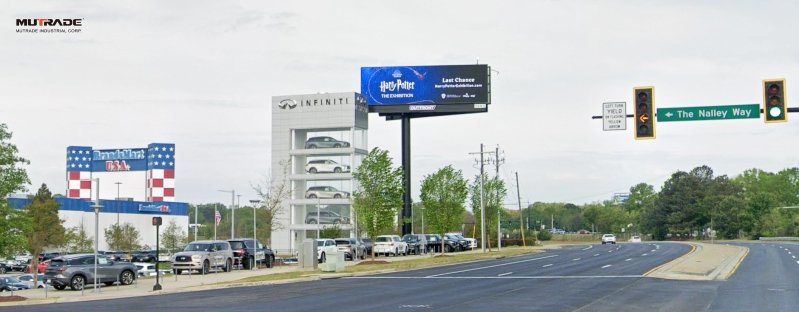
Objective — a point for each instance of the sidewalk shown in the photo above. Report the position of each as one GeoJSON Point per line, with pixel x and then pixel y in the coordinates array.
{"type": "Point", "coordinates": [705, 262]}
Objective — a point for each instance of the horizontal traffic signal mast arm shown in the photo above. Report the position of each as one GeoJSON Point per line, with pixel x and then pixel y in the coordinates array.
{"type": "Point", "coordinates": [790, 110]}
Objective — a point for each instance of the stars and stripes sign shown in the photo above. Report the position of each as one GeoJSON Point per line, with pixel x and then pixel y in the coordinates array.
{"type": "Point", "coordinates": [217, 217]}
{"type": "Point", "coordinates": [79, 172]}
{"type": "Point", "coordinates": [161, 172]}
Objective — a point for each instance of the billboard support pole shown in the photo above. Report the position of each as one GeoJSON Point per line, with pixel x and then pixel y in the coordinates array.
{"type": "Point", "coordinates": [406, 173]}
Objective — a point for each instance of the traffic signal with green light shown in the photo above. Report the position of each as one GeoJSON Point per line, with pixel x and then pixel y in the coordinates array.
{"type": "Point", "coordinates": [644, 99]}
{"type": "Point", "coordinates": [774, 102]}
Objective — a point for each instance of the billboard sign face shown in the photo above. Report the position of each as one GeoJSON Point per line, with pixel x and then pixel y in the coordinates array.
{"type": "Point", "coordinates": [425, 85]}
{"type": "Point", "coordinates": [127, 159]}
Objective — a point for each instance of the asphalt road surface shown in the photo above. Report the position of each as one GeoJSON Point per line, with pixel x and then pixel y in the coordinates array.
{"type": "Point", "coordinates": [576, 278]}
{"type": "Point", "coordinates": [585, 278]}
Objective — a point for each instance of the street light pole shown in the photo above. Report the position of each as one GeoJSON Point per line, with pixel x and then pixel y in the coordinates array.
{"type": "Point", "coordinates": [96, 207]}
{"type": "Point", "coordinates": [232, 212]}
{"type": "Point", "coordinates": [255, 203]}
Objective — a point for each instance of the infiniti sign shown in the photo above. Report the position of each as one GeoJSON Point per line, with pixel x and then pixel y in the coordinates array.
{"type": "Point", "coordinates": [291, 104]}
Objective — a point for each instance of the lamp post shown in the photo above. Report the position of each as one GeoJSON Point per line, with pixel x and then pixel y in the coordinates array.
{"type": "Point", "coordinates": [232, 213]}
{"type": "Point", "coordinates": [255, 203]}
{"type": "Point", "coordinates": [96, 207]}
{"type": "Point", "coordinates": [118, 206]}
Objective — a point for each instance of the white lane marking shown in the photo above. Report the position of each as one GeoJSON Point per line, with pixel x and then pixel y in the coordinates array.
{"type": "Point", "coordinates": [576, 259]}
{"type": "Point", "coordinates": [797, 262]}
{"type": "Point", "coordinates": [493, 266]}
{"type": "Point", "coordinates": [606, 266]}
{"type": "Point", "coordinates": [547, 265]}
{"type": "Point", "coordinates": [503, 274]}
{"type": "Point", "coordinates": [610, 250]}
{"type": "Point", "coordinates": [793, 257]}
{"type": "Point", "coordinates": [657, 246]}
{"type": "Point", "coordinates": [644, 255]}
{"type": "Point", "coordinates": [789, 252]}
{"type": "Point", "coordinates": [589, 247]}
{"type": "Point", "coordinates": [652, 250]}
{"type": "Point", "coordinates": [596, 255]}
{"type": "Point", "coordinates": [499, 277]}
{"type": "Point", "coordinates": [628, 259]}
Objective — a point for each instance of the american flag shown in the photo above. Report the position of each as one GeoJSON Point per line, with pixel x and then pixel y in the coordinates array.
{"type": "Point", "coordinates": [217, 217]}
{"type": "Point", "coordinates": [79, 158]}
{"type": "Point", "coordinates": [161, 156]}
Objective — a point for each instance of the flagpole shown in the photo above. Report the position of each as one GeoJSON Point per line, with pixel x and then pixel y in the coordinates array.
{"type": "Point", "coordinates": [215, 212]}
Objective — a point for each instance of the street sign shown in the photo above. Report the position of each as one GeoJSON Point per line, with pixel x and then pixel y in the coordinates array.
{"type": "Point", "coordinates": [696, 113]}
{"type": "Point", "coordinates": [614, 116]}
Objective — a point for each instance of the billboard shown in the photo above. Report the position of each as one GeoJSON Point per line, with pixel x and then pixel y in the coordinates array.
{"type": "Point", "coordinates": [426, 88]}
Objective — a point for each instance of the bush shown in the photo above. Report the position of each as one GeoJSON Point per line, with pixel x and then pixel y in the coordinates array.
{"type": "Point", "coordinates": [544, 235]}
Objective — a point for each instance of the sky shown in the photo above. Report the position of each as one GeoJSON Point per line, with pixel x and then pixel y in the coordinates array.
{"type": "Point", "coordinates": [201, 74]}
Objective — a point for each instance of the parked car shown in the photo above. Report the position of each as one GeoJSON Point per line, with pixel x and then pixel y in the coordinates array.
{"type": "Point", "coordinates": [417, 243]}
{"type": "Point", "coordinates": [76, 271]}
{"type": "Point", "coordinates": [635, 239]}
{"type": "Point", "coordinates": [351, 247]}
{"type": "Point", "coordinates": [202, 256]}
{"type": "Point", "coordinates": [325, 192]}
{"type": "Point", "coordinates": [10, 283]}
{"type": "Point", "coordinates": [143, 256]}
{"type": "Point", "coordinates": [325, 217]}
{"type": "Point", "coordinates": [390, 245]}
{"type": "Point", "coordinates": [325, 247]}
{"type": "Point", "coordinates": [325, 142]}
{"type": "Point", "coordinates": [246, 253]}
{"type": "Point", "coordinates": [472, 243]}
{"type": "Point", "coordinates": [27, 279]}
{"type": "Point", "coordinates": [367, 245]}
{"type": "Point", "coordinates": [50, 255]}
{"type": "Point", "coordinates": [20, 265]}
{"type": "Point", "coordinates": [4, 267]}
{"type": "Point", "coordinates": [325, 165]}
{"type": "Point", "coordinates": [557, 231]}
{"type": "Point", "coordinates": [453, 242]}
{"type": "Point", "coordinates": [608, 239]}
{"type": "Point", "coordinates": [119, 256]}
{"type": "Point", "coordinates": [433, 242]}
{"type": "Point", "coordinates": [144, 268]}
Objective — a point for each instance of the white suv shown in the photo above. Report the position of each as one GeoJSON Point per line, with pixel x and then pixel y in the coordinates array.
{"type": "Point", "coordinates": [324, 247]}
{"type": "Point", "coordinates": [390, 245]}
{"type": "Point", "coordinates": [325, 165]}
{"type": "Point", "coordinates": [608, 239]}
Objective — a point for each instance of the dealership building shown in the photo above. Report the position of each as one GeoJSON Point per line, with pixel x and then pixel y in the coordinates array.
{"type": "Point", "coordinates": [132, 184]}
{"type": "Point", "coordinates": [317, 139]}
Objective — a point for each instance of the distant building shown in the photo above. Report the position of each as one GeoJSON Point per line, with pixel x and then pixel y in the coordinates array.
{"type": "Point", "coordinates": [620, 198]}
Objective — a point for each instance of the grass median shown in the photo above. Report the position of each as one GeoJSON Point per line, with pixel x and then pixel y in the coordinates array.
{"type": "Point", "coordinates": [402, 265]}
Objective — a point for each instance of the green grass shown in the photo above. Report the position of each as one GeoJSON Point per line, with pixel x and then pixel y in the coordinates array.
{"type": "Point", "coordinates": [447, 259]}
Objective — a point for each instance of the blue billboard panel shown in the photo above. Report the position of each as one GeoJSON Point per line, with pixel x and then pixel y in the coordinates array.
{"type": "Point", "coordinates": [125, 159]}
{"type": "Point", "coordinates": [446, 84]}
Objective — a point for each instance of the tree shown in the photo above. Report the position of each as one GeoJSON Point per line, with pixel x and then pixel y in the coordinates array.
{"type": "Point", "coordinates": [13, 178]}
{"type": "Point", "coordinates": [494, 193]}
{"type": "Point", "coordinates": [77, 240]}
{"type": "Point", "coordinates": [332, 232]}
{"type": "Point", "coordinates": [379, 198]}
{"type": "Point", "coordinates": [124, 237]}
{"type": "Point", "coordinates": [173, 237]}
{"type": "Point", "coordinates": [272, 194]}
{"type": "Point", "coordinates": [45, 228]}
{"type": "Point", "coordinates": [443, 195]}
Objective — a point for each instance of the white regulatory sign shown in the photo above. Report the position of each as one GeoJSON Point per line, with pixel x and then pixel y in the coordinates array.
{"type": "Point", "coordinates": [614, 116]}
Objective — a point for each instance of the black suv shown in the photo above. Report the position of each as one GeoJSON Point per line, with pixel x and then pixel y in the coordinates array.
{"type": "Point", "coordinates": [244, 254]}
{"type": "Point", "coordinates": [417, 243]}
{"type": "Point", "coordinates": [454, 243]}
{"type": "Point", "coordinates": [325, 142]}
{"type": "Point", "coordinates": [433, 242]}
{"type": "Point", "coordinates": [143, 256]}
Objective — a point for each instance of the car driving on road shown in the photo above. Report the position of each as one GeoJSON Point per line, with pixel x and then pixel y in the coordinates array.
{"type": "Point", "coordinates": [608, 239]}
{"type": "Point", "coordinates": [76, 271]}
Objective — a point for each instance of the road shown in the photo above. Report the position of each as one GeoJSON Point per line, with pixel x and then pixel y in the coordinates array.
{"type": "Point", "coordinates": [575, 278]}
{"type": "Point", "coordinates": [585, 278]}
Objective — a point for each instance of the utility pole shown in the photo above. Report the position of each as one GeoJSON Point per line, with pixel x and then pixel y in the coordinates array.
{"type": "Point", "coordinates": [521, 219]}
{"type": "Point", "coordinates": [482, 200]}
{"type": "Point", "coordinates": [499, 200]}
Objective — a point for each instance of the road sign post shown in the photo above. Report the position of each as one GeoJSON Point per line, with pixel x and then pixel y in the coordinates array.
{"type": "Point", "coordinates": [614, 116]}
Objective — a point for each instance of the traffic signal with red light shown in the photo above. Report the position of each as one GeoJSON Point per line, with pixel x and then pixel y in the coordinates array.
{"type": "Point", "coordinates": [644, 99]}
{"type": "Point", "coordinates": [774, 102]}
{"type": "Point", "coordinates": [156, 221]}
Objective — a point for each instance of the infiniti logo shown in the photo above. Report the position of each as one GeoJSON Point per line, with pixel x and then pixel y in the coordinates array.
{"type": "Point", "coordinates": [291, 104]}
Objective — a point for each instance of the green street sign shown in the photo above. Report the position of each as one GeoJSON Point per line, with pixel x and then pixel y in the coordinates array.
{"type": "Point", "coordinates": [739, 111]}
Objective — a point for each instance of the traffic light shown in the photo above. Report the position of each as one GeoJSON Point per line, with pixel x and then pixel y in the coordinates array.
{"type": "Point", "coordinates": [774, 102]}
{"type": "Point", "coordinates": [156, 221]}
{"type": "Point", "coordinates": [644, 99]}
